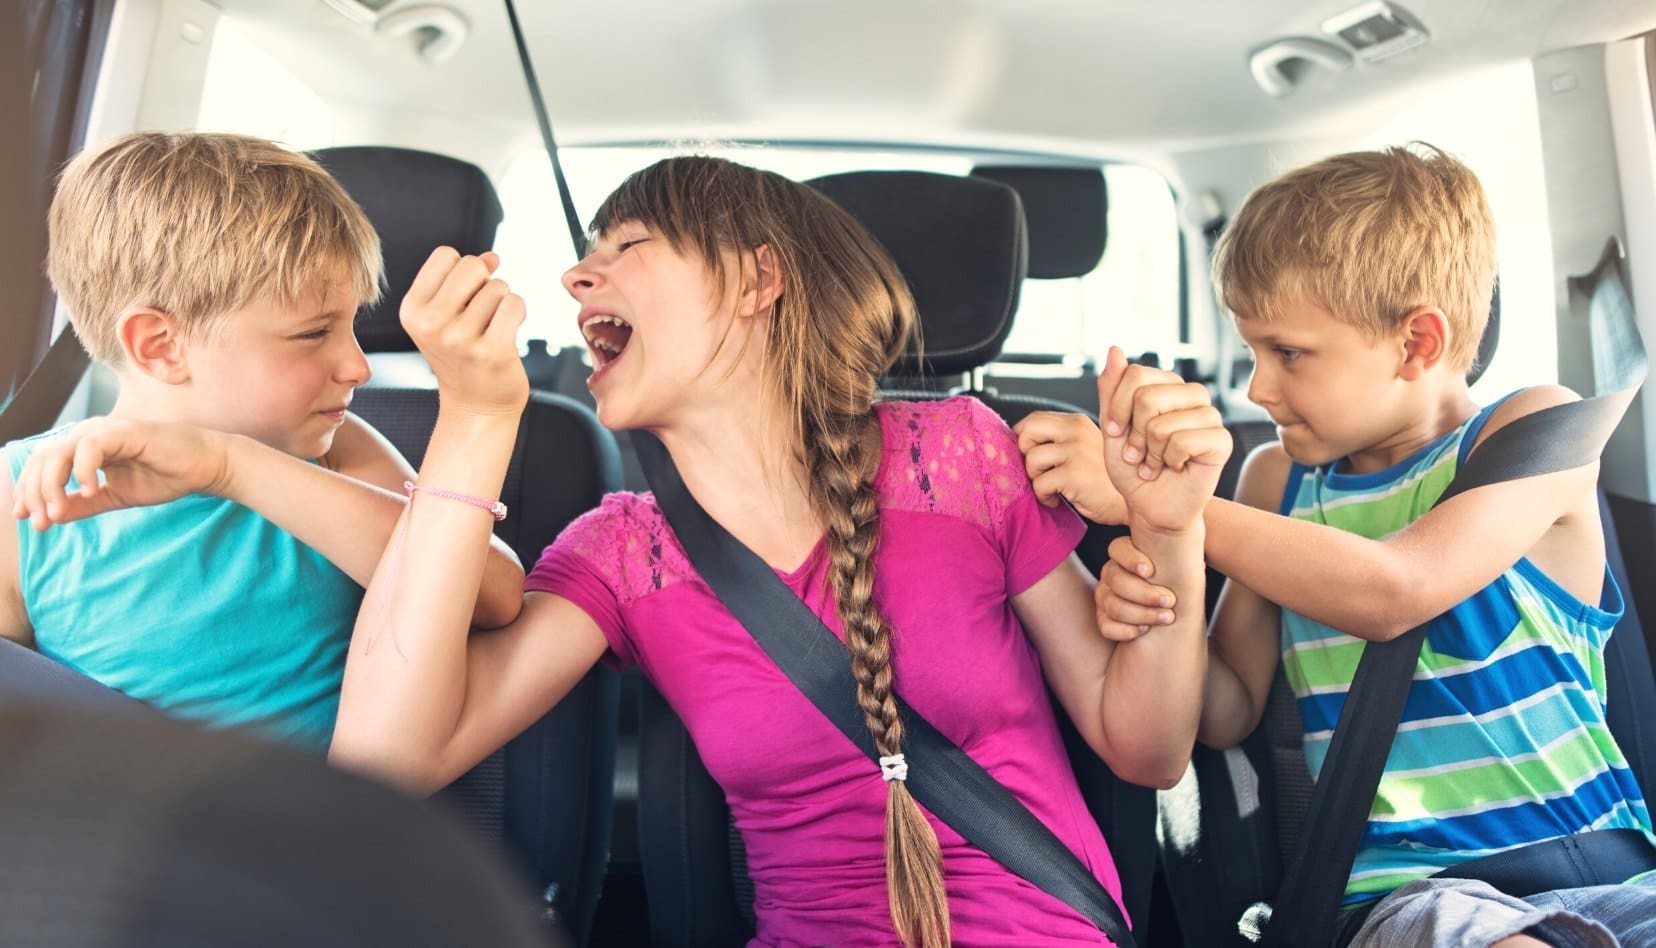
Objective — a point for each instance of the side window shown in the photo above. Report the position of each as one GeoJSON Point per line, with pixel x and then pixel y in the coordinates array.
{"type": "Point", "coordinates": [1489, 121]}
{"type": "Point", "coordinates": [247, 90]}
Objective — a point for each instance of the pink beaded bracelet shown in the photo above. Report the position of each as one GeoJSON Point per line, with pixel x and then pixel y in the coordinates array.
{"type": "Point", "coordinates": [495, 507]}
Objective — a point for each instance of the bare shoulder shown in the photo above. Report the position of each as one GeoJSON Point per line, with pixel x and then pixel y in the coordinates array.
{"type": "Point", "coordinates": [14, 620]}
{"type": "Point", "coordinates": [1264, 475]}
{"type": "Point", "coordinates": [360, 451]}
{"type": "Point", "coordinates": [1523, 402]}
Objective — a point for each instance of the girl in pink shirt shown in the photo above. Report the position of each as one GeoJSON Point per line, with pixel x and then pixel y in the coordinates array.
{"type": "Point", "coordinates": [745, 320]}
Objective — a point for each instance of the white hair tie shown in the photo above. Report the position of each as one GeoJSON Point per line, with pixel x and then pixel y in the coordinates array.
{"type": "Point", "coordinates": [893, 768]}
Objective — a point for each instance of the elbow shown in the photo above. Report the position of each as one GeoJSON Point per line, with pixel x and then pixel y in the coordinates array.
{"type": "Point", "coordinates": [1158, 768]}
{"type": "Point", "coordinates": [408, 772]}
{"type": "Point", "coordinates": [1219, 736]}
{"type": "Point", "coordinates": [1385, 612]}
{"type": "Point", "coordinates": [499, 600]}
{"type": "Point", "coordinates": [1162, 775]}
{"type": "Point", "coordinates": [497, 611]}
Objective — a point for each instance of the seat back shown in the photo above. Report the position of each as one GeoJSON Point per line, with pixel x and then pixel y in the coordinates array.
{"type": "Point", "coordinates": [960, 242]}
{"type": "Point", "coordinates": [547, 794]}
{"type": "Point", "coordinates": [135, 829]}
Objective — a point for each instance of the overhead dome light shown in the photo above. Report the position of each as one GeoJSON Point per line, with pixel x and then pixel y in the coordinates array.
{"type": "Point", "coordinates": [438, 29]}
{"type": "Point", "coordinates": [1279, 66]}
{"type": "Point", "coordinates": [1377, 30]}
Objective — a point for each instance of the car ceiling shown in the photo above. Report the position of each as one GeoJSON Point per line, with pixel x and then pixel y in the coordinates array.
{"type": "Point", "coordinates": [1078, 76]}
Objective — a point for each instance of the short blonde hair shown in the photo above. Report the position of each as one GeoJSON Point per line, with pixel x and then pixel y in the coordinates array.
{"type": "Point", "coordinates": [1370, 235]}
{"type": "Point", "coordinates": [198, 225]}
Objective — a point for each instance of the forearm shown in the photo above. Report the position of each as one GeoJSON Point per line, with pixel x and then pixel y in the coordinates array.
{"type": "Point", "coordinates": [405, 681]}
{"type": "Point", "coordinates": [349, 521]}
{"type": "Point", "coordinates": [1345, 581]}
{"type": "Point", "coordinates": [1229, 713]}
{"type": "Point", "coordinates": [1153, 684]}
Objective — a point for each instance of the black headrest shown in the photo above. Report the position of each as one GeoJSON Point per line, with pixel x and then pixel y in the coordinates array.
{"type": "Point", "coordinates": [960, 243]}
{"type": "Point", "coordinates": [1490, 338]}
{"type": "Point", "coordinates": [1066, 210]}
{"type": "Point", "coordinates": [417, 200]}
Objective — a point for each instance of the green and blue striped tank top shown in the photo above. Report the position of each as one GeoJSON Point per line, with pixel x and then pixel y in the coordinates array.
{"type": "Point", "coordinates": [1503, 740]}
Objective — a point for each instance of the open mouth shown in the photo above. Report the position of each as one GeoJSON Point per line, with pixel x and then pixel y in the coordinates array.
{"type": "Point", "coordinates": [606, 338]}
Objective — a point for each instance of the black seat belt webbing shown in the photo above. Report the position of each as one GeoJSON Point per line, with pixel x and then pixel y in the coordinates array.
{"type": "Point", "coordinates": [40, 399]}
{"type": "Point", "coordinates": [577, 233]}
{"type": "Point", "coordinates": [941, 776]}
{"type": "Point", "coordinates": [1550, 440]}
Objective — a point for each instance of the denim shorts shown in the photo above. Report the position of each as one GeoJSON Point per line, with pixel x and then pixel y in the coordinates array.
{"type": "Point", "coordinates": [1466, 913]}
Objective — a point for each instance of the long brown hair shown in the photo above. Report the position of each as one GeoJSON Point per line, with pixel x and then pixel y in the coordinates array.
{"type": "Point", "coordinates": [844, 316]}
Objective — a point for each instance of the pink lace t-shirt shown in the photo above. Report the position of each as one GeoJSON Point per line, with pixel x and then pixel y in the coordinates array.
{"type": "Point", "coordinates": [960, 534]}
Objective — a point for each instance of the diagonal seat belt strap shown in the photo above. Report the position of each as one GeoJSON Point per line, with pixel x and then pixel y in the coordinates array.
{"type": "Point", "coordinates": [941, 776]}
{"type": "Point", "coordinates": [1550, 440]}
{"type": "Point", "coordinates": [36, 405]}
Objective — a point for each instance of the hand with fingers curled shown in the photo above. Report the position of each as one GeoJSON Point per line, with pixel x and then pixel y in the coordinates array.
{"type": "Point", "coordinates": [1128, 603]}
{"type": "Point", "coordinates": [465, 323]}
{"type": "Point", "coordinates": [1064, 456]}
{"type": "Point", "coordinates": [143, 463]}
{"type": "Point", "coordinates": [1164, 444]}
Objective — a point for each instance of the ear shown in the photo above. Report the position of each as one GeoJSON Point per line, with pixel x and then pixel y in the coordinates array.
{"type": "Point", "coordinates": [153, 344]}
{"type": "Point", "coordinates": [1426, 336]}
{"type": "Point", "coordinates": [766, 286]}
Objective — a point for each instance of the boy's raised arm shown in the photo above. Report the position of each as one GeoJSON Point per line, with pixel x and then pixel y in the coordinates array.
{"type": "Point", "coordinates": [313, 509]}
{"type": "Point", "coordinates": [345, 518]}
{"type": "Point", "coordinates": [1379, 589]}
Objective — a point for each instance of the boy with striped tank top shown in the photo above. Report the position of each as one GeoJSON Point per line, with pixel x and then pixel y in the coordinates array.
{"type": "Point", "coordinates": [1362, 285]}
{"type": "Point", "coordinates": [204, 547]}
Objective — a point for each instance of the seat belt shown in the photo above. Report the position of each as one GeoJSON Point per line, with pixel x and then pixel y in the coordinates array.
{"type": "Point", "coordinates": [1550, 440]}
{"type": "Point", "coordinates": [38, 402]}
{"type": "Point", "coordinates": [577, 233]}
{"type": "Point", "coordinates": [941, 776]}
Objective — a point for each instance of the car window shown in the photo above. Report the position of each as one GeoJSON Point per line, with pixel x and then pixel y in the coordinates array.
{"type": "Point", "coordinates": [1131, 299]}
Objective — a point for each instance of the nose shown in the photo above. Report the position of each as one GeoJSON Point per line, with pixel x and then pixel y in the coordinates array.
{"type": "Point", "coordinates": [353, 367]}
{"type": "Point", "coordinates": [582, 278]}
{"type": "Point", "coordinates": [1261, 386]}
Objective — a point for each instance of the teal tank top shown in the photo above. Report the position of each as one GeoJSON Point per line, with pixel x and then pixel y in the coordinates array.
{"type": "Point", "coordinates": [199, 607]}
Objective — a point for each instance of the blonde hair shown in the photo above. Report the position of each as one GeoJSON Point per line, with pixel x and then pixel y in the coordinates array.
{"type": "Point", "coordinates": [844, 316]}
{"type": "Point", "coordinates": [199, 225]}
{"type": "Point", "coordinates": [1370, 235]}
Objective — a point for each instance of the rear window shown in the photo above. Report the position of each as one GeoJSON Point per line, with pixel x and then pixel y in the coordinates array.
{"type": "Point", "coordinates": [1131, 299]}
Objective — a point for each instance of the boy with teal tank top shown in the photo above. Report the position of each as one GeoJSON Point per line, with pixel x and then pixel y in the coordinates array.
{"type": "Point", "coordinates": [1362, 285]}
{"type": "Point", "coordinates": [204, 547]}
